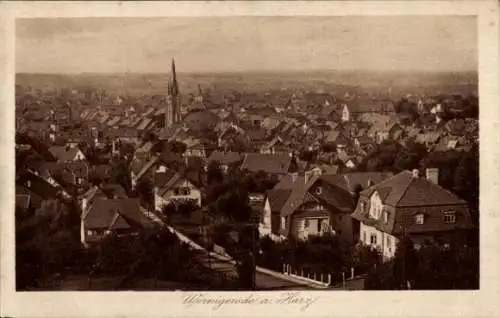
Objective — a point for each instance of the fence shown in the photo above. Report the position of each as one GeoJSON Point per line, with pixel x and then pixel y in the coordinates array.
{"type": "Point", "coordinates": [327, 279]}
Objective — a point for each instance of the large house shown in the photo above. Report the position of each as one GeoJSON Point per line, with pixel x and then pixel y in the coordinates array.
{"type": "Point", "coordinates": [103, 216]}
{"type": "Point", "coordinates": [172, 187]}
{"type": "Point", "coordinates": [66, 153]}
{"type": "Point", "coordinates": [275, 165]}
{"type": "Point", "coordinates": [226, 159]}
{"type": "Point", "coordinates": [408, 204]}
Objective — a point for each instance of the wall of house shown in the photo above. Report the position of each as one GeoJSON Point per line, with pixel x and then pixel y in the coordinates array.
{"type": "Point", "coordinates": [79, 156]}
{"type": "Point", "coordinates": [342, 225]}
{"type": "Point", "coordinates": [265, 224]}
{"type": "Point", "coordinates": [376, 206]}
{"type": "Point", "coordinates": [434, 228]}
{"type": "Point", "coordinates": [385, 242]}
{"type": "Point", "coordinates": [171, 195]}
{"type": "Point", "coordinates": [313, 217]}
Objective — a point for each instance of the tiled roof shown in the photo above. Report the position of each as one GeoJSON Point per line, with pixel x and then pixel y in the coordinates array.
{"type": "Point", "coordinates": [113, 121]}
{"type": "Point", "coordinates": [277, 198]}
{"type": "Point", "coordinates": [270, 163]}
{"type": "Point", "coordinates": [225, 158]}
{"type": "Point", "coordinates": [114, 214]}
{"type": "Point", "coordinates": [144, 123]}
{"type": "Point", "coordinates": [299, 193]}
{"type": "Point", "coordinates": [403, 190]}
{"type": "Point", "coordinates": [349, 181]}
{"type": "Point", "coordinates": [430, 137]}
{"type": "Point", "coordinates": [404, 197]}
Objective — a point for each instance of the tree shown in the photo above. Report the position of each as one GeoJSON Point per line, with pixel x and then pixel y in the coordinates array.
{"type": "Point", "coordinates": [145, 191]}
{"type": "Point", "coordinates": [214, 173]}
{"type": "Point", "coordinates": [405, 263]}
{"type": "Point", "coordinates": [177, 147]}
{"type": "Point", "coordinates": [466, 180]}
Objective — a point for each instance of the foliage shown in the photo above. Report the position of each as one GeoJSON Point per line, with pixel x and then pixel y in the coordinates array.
{"type": "Point", "coordinates": [47, 243]}
{"type": "Point", "coordinates": [145, 191]}
{"type": "Point", "coordinates": [430, 267]}
{"type": "Point", "coordinates": [214, 173]}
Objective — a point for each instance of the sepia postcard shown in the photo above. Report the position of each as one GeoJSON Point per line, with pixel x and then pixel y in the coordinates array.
{"type": "Point", "coordinates": [250, 159]}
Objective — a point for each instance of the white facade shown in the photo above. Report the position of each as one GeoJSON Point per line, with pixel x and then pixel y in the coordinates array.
{"type": "Point", "coordinates": [181, 190]}
{"type": "Point", "coordinates": [265, 223]}
{"type": "Point", "coordinates": [79, 156]}
{"type": "Point", "coordinates": [384, 242]}
{"type": "Point", "coordinates": [375, 206]}
{"type": "Point", "coordinates": [345, 113]}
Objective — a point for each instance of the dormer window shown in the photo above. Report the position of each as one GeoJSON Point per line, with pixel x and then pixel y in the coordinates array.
{"type": "Point", "coordinates": [450, 217]}
{"type": "Point", "coordinates": [419, 218]}
{"type": "Point", "coordinates": [319, 190]}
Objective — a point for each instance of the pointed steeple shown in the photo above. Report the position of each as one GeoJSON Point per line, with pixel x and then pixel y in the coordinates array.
{"type": "Point", "coordinates": [175, 88]}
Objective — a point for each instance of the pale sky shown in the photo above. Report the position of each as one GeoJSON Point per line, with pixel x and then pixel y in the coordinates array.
{"type": "Point", "coordinates": [206, 44]}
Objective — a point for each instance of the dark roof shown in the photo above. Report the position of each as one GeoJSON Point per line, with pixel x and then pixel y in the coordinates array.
{"type": "Point", "coordinates": [270, 163]}
{"type": "Point", "coordinates": [164, 180]}
{"type": "Point", "coordinates": [277, 198]}
{"type": "Point", "coordinates": [404, 190]}
{"type": "Point", "coordinates": [349, 181]}
{"type": "Point", "coordinates": [63, 153]}
{"type": "Point", "coordinates": [23, 201]}
{"type": "Point", "coordinates": [115, 214]}
{"type": "Point", "coordinates": [225, 158]}
{"type": "Point", "coordinates": [201, 120]}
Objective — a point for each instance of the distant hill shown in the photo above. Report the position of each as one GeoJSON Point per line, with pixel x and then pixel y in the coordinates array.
{"type": "Point", "coordinates": [328, 81]}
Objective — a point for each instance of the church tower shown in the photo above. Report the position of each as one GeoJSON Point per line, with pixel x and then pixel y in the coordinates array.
{"type": "Point", "coordinates": [172, 111]}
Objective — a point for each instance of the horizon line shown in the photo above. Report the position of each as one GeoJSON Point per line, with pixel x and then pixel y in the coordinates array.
{"type": "Point", "coordinates": [253, 71]}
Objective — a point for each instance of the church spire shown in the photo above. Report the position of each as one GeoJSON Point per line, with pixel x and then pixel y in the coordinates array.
{"type": "Point", "coordinates": [175, 87]}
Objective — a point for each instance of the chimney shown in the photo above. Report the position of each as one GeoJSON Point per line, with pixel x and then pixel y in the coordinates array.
{"type": "Point", "coordinates": [370, 183]}
{"type": "Point", "coordinates": [68, 147]}
{"type": "Point", "coordinates": [432, 174]}
{"type": "Point", "coordinates": [415, 173]}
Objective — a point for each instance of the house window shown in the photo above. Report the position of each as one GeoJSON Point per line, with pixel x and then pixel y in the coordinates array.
{"type": "Point", "coordinates": [363, 206]}
{"type": "Point", "coordinates": [373, 239]}
{"type": "Point", "coordinates": [389, 243]}
{"type": "Point", "coordinates": [386, 217]}
{"type": "Point", "coordinates": [283, 222]}
{"type": "Point", "coordinates": [419, 219]}
{"type": "Point", "coordinates": [449, 217]}
{"type": "Point", "coordinates": [319, 190]}
{"type": "Point", "coordinates": [306, 224]}
{"type": "Point", "coordinates": [364, 236]}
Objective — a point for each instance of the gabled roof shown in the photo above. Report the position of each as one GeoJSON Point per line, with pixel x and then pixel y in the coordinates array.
{"type": "Point", "coordinates": [300, 193]}
{"type": "Point", "coordinates": [270, 163]}
{"type": "Point", "coordinates": [112, 214]}
{"type": "Point", "coordinates": [404, 190]}
{"type": "Point", "coordinates": [349, 181]}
